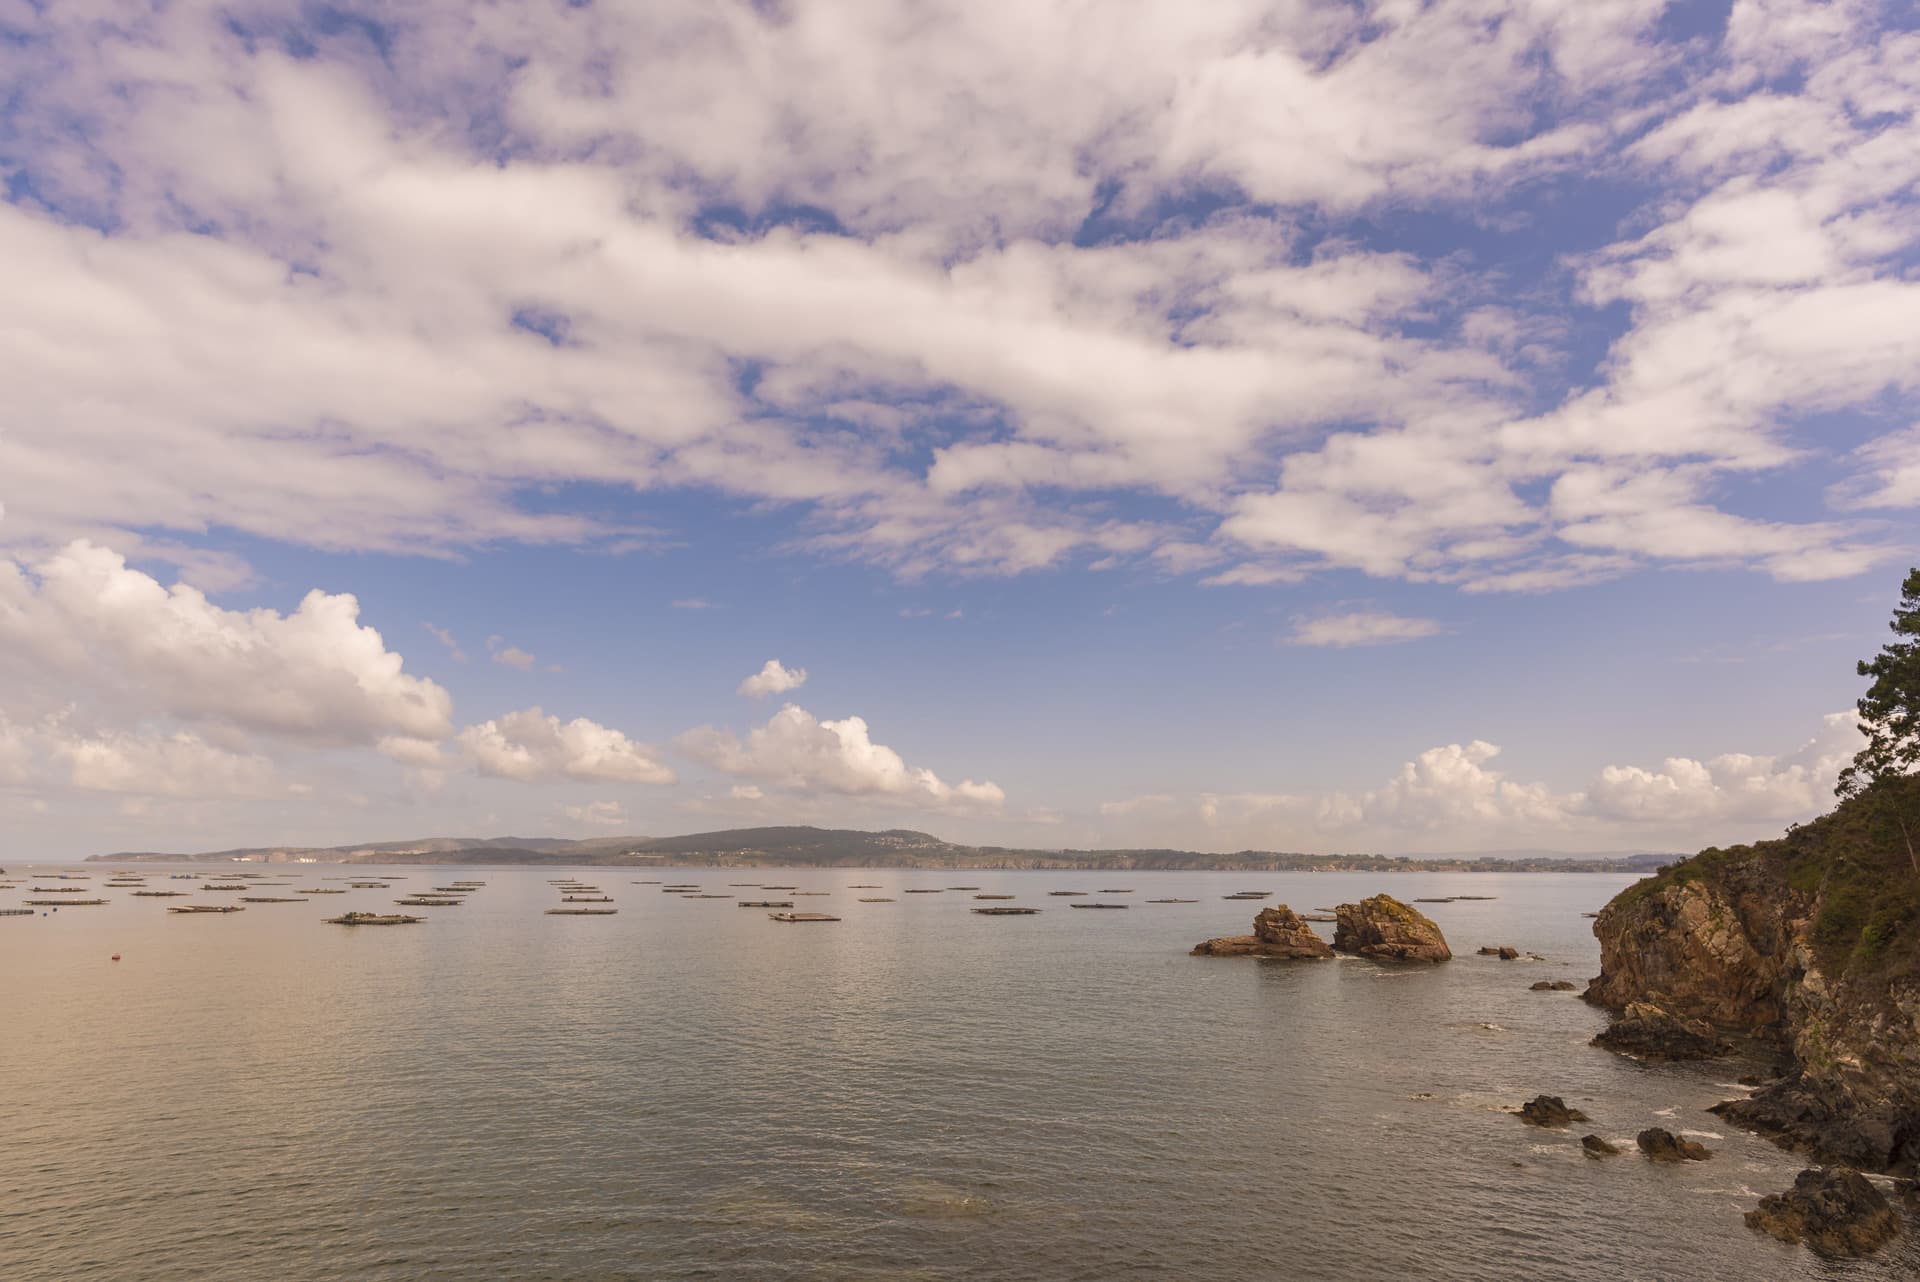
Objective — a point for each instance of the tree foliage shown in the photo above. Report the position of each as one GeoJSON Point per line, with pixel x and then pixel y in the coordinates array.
{"type": "Point", "coordinates": [1890, 709]}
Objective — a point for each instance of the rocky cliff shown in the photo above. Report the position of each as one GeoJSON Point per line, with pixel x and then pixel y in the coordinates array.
{"type": "Point", "coordinates": [1810, 945]}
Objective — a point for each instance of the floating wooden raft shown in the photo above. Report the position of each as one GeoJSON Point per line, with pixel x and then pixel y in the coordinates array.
{"type": "Point", "coordinates": [1173, 901]}
{"type": "Point", "coordinates": [323, 890]}
{"type": "Point", "coordinates": [263, 899]}
{"type": "Point", "coordinates": [963, 887]}
{"type": "Point", "coordinates": [876, 900]}
{"type": "Point", "coordinates": [803, 916]}
{"type": "Point", "coordinates": [1127, 891]}
{"type": "Point", "coordinates": [160, 894]}
{"type": "Point", "coordinates": [357, 885]}
{"type": "Point", "coordinates": [56, 890]}
{"type": "Point", "coordinates": [995, 896]}
{"type": "Point", "coordinates": [63, 903]}
{"type": "Point", "coordinates": [1059, 894]}
{"type": "Point", "coordinates": [1249, 894]}
{"type": "Point", "coordinates": [861, 885]}
{"type": "Point", "coordinates": [236, 886]}
{"type": "Point", "coordinates": [1096, 905]}
{"type": "Point", "coordinates": [767, 903]}
{"type": "Point", "coordinates": [920, 892]}
{"type": "Point", "coordinates": [581, 912]}
{"type": "Point", "coordinates": [417, 902]}
{"type": "Point", "coordinates": [374, 919]}
{"type": "Point", "coordinates": [815, 894]}
{"type": "Point", "coordinates": [205, 908]}
{"type": "Point", "coordinates": [586, 899]}
{"type": "Point", "coordinates": [1008, 912]}
{"type": "Point", "coordinates": [16, 912]}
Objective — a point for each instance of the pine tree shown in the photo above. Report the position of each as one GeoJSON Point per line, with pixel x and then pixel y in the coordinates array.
{"type": "Point", "coordinates": [1890, 713]}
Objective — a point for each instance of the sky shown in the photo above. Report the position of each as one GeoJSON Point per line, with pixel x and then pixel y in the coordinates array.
{"type": "Point", "coordinates": [1367, 426]}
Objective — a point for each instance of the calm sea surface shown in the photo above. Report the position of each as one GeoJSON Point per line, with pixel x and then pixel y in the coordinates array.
{"type": "Point", "coordinates": [689, 1090]}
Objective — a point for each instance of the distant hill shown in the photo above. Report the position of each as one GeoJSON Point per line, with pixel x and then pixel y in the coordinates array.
{"type": "Point", "coordinates": [856, 848]}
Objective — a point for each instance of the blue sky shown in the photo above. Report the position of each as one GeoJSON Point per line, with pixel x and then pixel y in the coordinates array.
{"type": "Point", "coordinates": [1298, 425]}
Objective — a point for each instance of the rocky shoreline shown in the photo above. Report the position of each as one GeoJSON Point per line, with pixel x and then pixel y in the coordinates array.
{"type": "Point", "coordinates": [1381, 928]}
{"type": "Point", "coordinates": [1805, 950]}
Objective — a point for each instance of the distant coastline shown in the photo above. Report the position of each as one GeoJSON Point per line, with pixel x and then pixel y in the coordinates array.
{"type": "Point", "coordinates": [804, 847]}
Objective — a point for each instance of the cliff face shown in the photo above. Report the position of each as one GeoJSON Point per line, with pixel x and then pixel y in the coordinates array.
{"type": "Point", "coordinates": [1810, 944]}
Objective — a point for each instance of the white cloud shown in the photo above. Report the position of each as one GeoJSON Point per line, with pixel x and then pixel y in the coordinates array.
{"type": "Point", "coordinates": [175, 765]}
{"type": "Point", "coordinates": [1732, 786]}
{"type": "Point", "coordinates": [693, 603]}
{"type": "Point", "coordinates": [82, 618]}
{"type": "Point", "coordinates": [445, 638]}
{"type": "Point", "coordinates": [773, 678]}
{"type": "Point", "coordinates": [599, 814]}
{"type": "Point", "coordinates": [530, 745]}
{"type": "Point", "coordinates": [511, 656]}
{"type": "Point", "coordinates": [1359, 627]}
{"type": "Point", "coordinates": [796, 752]}
{"type": "Point", "coordinates": [1453, 797]}
{"type": "Point", "coordinates": [1889, 475]}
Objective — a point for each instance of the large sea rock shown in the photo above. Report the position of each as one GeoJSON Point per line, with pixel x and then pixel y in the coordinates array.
{"type": "Point", "coordinates": [1836, 1212]}
{"type": "Point", "coordinates": [1277, 932]}
{"type": "Point", "coordinates": [1385, 929]}
{"type": "Point", "coordinates": [1809, 945]}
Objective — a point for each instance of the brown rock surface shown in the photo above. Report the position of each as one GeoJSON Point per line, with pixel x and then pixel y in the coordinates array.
{"type": "Point", "coordinates": [1836, 1212]}
{"type": "Point", "coordinates": [1648, 1032]}
{"type": "Point", "coordinates": [1385, 929]}
{"type": "Point", "coordinates": [1277, 932]}
{"type": "Point", "coordinates": [1664, 1146]}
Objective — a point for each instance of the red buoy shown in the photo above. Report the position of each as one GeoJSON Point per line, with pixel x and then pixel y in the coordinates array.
{"type": "Point", "coordinates": [116, 956]}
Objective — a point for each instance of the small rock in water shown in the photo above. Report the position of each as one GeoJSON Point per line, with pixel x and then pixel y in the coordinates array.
{"type": "Point", "coordinates": [1551, 986]}
{"type": "Point", "coordinates": [1648, 1032]}
{"type": "Point", "coordinates": [1664, 1146]}
{"type": "Point", "coordinates": [1549, 1110]}
{"type": "Point", "coordinates": [1834, 1211]}
{"type": "Point", "coordinates": [1594, 1146]}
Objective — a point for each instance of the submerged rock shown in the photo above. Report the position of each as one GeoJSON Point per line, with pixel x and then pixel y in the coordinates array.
{"type": "Point", "coordinates": [1594, 1146]}
{"type": "Point", "coordinates": [1552, 986]}
{"type": "Point", "coordinates": [1277, 932]}
{"type": "Point", "coordinates": [1549, 1110]}
{"type": "Point", "coordinates": [1835, 1212]}
{"type": "Point", "coordinates": [1385, 929]}
{"type": "Point", "coordinates": [1647, 1031]}
{"type": "Point", "coordinates": [1503, 952]}
{"type": "Point", "coordinates": [1664, 1146]}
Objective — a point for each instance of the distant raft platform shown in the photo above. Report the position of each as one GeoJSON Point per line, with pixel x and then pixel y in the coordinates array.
{"type": "Point", "coordinates": [263, 899]}
{"type": "Point", "coordinates": [1062, 894]}
{"type": "Point", "coordinates": [322, 890]}
{"type": "Point", "coordinates": [1009, 912]}
{"type": "Point", "coordinates": [1096, 905]}
{"type": "Point", "coordinates": [63, 903]}
{"type": "Point", "coordinates": [581, 912]}
{"type": "Point", "coordinates": [803, 917]}
{"type": "Point", "coordinates": [766, 903]}
{"type": "Point", "coordinates": [588, 899]}
{"type": "Point", "coordinates": [205, 908]}
{"type": "Point", "coordinates": [159, 894]}
{"type": "Point", "coordinates": [876, 900]}
{"type": "Point", "coordinates": [1173, 901]}
{"type": "Point", "coordinates": [373, 919]}
{"type": "Point", "coordinates": [995, 896]}
{"type": "Point", "coordinates": [417, 902]}
{"type": "Point", "coordinates": [16, 912]}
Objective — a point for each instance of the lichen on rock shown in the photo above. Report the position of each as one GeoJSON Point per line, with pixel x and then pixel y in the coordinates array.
{"type": "Point", "coordinates": [1383, 928]}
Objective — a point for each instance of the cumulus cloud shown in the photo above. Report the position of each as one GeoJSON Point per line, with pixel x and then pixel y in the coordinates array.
{"type": "Point", "coordinates": [796, 752]}
{"type": "Point", "coordinates": [1456, 796]}
{"type": "Point", "coordinates": [316, 675]}
{"type": "Point", "coordinates": [773, 678]}
{"type": "Point", "coordinates": [530, 745]}
{"type": "Point", "coordinates": [1359, 627]}
{"type": "Point", "coordinates": [175, 765]}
